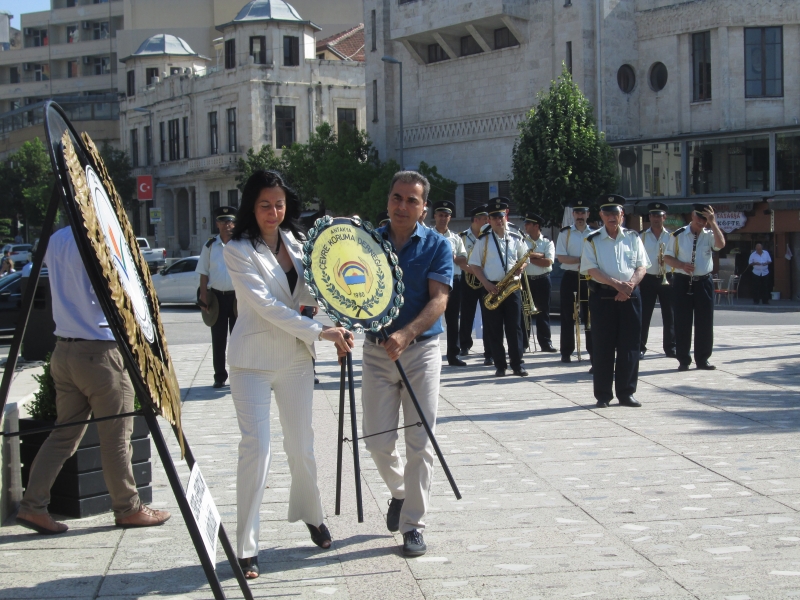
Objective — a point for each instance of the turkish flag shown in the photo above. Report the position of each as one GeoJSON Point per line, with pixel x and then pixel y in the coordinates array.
{"type": "Point", "coordinates": [144, 187]}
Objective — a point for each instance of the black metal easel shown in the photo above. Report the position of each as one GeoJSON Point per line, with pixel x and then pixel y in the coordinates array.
{"type": "Point", "coordinates": [142, 391]}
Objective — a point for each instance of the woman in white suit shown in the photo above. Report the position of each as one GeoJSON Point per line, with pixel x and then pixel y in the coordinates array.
{"type": "Point", "coordinates": [271, 349]}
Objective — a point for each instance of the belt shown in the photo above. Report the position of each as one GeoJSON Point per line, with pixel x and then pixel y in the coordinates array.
{"type": "Point", "coordinates": [694, 277]}
{"type": "Point", "coordinates": [596, 286]}
{"type": "Point", "coordinates": [566, 272]}
{"type": "Point", "coordinates": [535, 277]}
{"type": "Point", "coordinates": [376, 340]}
{"type": "Point", "coordinates": [231, 293]}
{"type": "Point", "coordinates": [63, 339]}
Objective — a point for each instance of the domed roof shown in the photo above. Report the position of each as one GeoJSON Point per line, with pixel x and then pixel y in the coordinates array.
{"type": "Point", "coordinates": [163, 44]}
{"type": "Point", "coordinates": [268, 10]}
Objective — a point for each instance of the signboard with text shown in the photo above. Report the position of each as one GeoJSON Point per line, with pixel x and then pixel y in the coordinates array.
{"type": "Point", "coordinates": [731, 221]}
{"type": "Point", "coordinates": [155, 215]}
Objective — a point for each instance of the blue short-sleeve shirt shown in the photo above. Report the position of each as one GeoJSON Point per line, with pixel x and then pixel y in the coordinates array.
{"type": "Point", "coordinates": [426, 255]}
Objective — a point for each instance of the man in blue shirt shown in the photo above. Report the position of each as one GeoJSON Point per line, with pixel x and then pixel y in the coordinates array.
{"type": "Point", "coordinates": [427, 262]}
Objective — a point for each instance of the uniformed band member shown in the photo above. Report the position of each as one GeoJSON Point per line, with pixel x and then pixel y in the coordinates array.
{"type": "Point", "coordinates": [538, 274]}
{"type": "Point", "coordinates": [615, 259]}
{"type": "Point", "coordinates": [652, 286]}
{"type": "Point", "coordinates": [690, 252]}
{"type": "Point", "coordinates": [214, 278]}
{"type": "Point", "coordinates": [568, 252]}
{"type": "Point", "coordinates": [442, 213]}
{"type": "Point", "coordinates": [471, 298]}
{"type": "Point", "coordinates": [424, 214]}
{"type": "Point", "coordinates": [494, 255]}
{"type": "Point", "coordinates": [383, 218]}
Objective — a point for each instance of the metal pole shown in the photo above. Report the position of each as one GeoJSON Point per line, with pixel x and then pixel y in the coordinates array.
{"type": "Point", "coordinates": [340, 440]}
{"type": "Point", "coordinates": [402, 161]}
{"type": "Point", "coordinates": [425, 423]}
{"type": "Point", "coordinates": [354, 427]}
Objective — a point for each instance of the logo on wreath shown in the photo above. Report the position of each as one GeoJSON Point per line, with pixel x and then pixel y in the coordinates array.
{"type": "Point", "coordinates": [352, 274]}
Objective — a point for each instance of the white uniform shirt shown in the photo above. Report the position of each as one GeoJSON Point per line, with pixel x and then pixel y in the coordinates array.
{"type": "Point", "coordinates": [617, 258]}
{"type": "Point", "coordinates": [212, 264]}
{"type": "Point", "coordinates": [755, 260]}
{"type": "Point", "coordinates": [512, 246]}
{"type": "Point", "coordinates": [76, 310]}
{"type": "Point", "coordinates": [680, 247]}
{"type": "Point", "coordinates": [544, 246]}
{"type": "Point", "coordinates": [458, 248]}
{"type": "Point", "coordinates": [652, 245]}
{"type": "Point", "coordinates": [570, 243]}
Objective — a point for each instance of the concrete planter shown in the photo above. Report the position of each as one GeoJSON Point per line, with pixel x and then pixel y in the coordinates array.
{"type": "Point", "coordinates": [80, 490]}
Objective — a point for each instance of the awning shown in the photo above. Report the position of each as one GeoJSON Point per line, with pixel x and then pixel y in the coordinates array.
{"type": "Point", "coordinates": [791, 202]}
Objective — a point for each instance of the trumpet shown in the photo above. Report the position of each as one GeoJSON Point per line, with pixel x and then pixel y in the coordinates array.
{"type": "Point", "coordinates": [662, 265]}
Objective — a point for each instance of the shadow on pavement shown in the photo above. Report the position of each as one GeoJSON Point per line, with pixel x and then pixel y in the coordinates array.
{"type": "Point", "coordinates": [519, 415]}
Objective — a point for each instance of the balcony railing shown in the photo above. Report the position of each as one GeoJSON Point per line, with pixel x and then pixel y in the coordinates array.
{"type": "Point", "coordinates": [84, 108]}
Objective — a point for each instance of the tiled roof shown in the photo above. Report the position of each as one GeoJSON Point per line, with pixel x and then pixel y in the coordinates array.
{"type": "Point", "coordinates": [347, 45]}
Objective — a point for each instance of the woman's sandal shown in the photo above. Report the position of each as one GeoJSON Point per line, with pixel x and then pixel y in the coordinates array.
{"type": "Point", "coordinates": [249, 567]}
{"type": "Point", "coordinates": [320, 536]}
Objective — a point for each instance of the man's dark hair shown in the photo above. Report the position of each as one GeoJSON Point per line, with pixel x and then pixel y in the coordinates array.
{"type": "Point", "coordinates": [412, 177]}
{"type": "Point", "coordinates": [246, 224]}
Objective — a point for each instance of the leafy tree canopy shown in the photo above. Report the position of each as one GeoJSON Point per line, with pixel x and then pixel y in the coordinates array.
{"type": "Point", "coordinates": [26, 182]}
{"type": "Point", "coordinates": [119, 168]}
{"type": "Point", "coordinates": [560, 156]}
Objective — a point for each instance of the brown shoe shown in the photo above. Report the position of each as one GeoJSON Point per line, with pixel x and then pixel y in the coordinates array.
{"type": "Point", "coordinates": [41, 523]}
{"type": "Point", "coordinates": [146, 517]}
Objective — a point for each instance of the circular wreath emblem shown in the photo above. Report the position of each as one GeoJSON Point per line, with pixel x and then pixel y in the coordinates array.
{"type": "Point", "coordinates": [353, 273]}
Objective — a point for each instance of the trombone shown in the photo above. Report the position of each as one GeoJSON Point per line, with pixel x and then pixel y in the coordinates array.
{"type": "Point", "coordinates": [576, 313]}
{"type": "Point", "coordinates": [529, 309]}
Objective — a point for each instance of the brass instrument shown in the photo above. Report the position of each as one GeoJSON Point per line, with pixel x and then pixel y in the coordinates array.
{"type": "Point", "coordinates": [506, 286]}
{"type": "Point", "coordinates": [529, 309]}
{"type": "Point", "coordinates": [576, 313]}
{"type": "Point", "coordinates": [662, 267]}
{"type": "Point", "coordinates": [470, 278]}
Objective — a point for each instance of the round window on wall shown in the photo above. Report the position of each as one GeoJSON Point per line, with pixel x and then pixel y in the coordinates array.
{"type": "Point", "coordinates": [658, 76]}
{"type": "Point", "coordinates": [626, 78]}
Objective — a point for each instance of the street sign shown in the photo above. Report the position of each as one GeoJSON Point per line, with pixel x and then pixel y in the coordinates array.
{"type": "Point", "coordinates": [144, 187]}
{"type": "Point", "coordinates": [155, 215]}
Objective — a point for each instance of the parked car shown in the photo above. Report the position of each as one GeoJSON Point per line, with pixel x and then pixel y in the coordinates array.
{"type": "Point", "coordinates": [10, 296]}
{"type": "Point", "coordinates": [20, 254]}
{"type": "Point", "coordinates": [178, 283]}
{"type": "Point", "coordinates": [155, 257]}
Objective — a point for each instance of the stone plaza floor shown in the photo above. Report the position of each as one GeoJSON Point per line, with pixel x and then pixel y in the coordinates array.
{"type": "Point", "coordinates": [694, 495]}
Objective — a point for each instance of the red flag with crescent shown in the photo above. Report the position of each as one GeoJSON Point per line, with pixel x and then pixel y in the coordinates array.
{"type": "Point", "coordinates": [144, 187]}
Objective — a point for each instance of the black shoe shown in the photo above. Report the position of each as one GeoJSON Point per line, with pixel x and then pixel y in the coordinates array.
{"type": "Point", "coordinates": [549, 348]}
{"type": "Point", "coordinates": [218, 384]}
{"type": "Point", "coordinates": [706, 367]}
{"type": "Point", "coordinates": [456, 362]}
{"type": "Point", "coordinates": [488, 362]}
{"type": "Point", "coordinates": [601, 404]}
{"type": "Point", "coordinates": [566, 359]}
{"type": "Point", "coordinates": [500, 373]}
{"type": "Point", "coordinates": [629, 401]}
{"type": "Point", "coordinates": [683, 368]}
{"type": "Point", "coordinates": [393, 516]}
{"type": "Point", "coordinates": [671, 354]}
{"type": "Point", "coordinates": [521, 372]}
{"type": "Point", "coordinates": [413, 544]}
{"type": "Point", "coordinates": [320, 535]}
{"type": "Point", "coordinates": [641, 355]}
{"type": "Point", "coordinates": [591, 370]}
{"type": "Point", "coordinates": [316, 380]}
{"type": "Point", "coordinates": [463, 353]}
{"type": "Point", "coordinates": [249, 567]}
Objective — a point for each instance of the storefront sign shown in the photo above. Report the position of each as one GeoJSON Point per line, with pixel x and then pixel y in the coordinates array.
{"type": "Point", "coordinates": [730, 221]}
{"type": "Point", "coordinates": [155, 215]}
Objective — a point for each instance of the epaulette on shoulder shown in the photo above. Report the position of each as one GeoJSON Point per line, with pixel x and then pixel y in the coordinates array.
{"type": "Point", "coordinates": [563, 229]}
{"type": "Point", "coordinates": [463, 233]}
{"type": "Point", "coordinates": [679, 231]}
{"type": "Point", "coordinates": [593, 234]}
{"type": "Point", "coordinates": [210, 241]}
{"type": "Point", "coordinates": [484, 233]}
{"type": "Point", "coordinates": [515, 234]}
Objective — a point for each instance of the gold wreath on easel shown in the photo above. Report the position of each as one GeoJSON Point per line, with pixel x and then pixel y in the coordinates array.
{"type": "Point", "coordinates": [157, 372]}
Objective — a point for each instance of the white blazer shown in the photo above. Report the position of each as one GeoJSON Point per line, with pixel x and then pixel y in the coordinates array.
{"type": "Point", "coordinates": [269, 324]}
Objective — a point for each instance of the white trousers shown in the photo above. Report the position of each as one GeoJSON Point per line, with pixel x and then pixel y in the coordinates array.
{"type": "Point", "coordinates": [294, 395]}
{"type": "Point", "coordinates": [382, 393]}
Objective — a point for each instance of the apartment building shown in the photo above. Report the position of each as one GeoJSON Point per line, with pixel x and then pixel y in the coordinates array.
{"type": "Point", "coordinates": [699, 98]}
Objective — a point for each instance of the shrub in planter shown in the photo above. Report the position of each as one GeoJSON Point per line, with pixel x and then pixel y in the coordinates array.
{"type": "Point", "coordinates": [79, 490]}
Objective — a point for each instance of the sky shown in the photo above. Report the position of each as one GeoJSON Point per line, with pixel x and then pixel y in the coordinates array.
{"type": "Point", "coordinates": [17, 7]}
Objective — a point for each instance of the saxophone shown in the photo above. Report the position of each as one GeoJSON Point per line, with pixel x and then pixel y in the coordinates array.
{"type": "Point", "coordinates": [508, 285]}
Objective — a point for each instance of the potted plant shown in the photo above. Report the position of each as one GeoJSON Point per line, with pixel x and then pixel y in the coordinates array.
{"type": "Point", "coordinates": [79, 490]}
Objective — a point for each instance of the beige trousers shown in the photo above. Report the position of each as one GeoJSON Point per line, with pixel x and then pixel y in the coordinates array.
{"type": "Point", "coordinates": [382, 394]}
{"type": "Point", "coordinates": [90, 379]}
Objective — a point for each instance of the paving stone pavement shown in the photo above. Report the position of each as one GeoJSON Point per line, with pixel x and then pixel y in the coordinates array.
{"type": "Point", "coordinates": [694, 495]}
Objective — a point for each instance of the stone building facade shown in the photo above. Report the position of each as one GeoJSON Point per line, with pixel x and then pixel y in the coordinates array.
{"type": "Point", "coordinates": [186, 121]}
{"type": "Point", "coordinates": [700, 98]}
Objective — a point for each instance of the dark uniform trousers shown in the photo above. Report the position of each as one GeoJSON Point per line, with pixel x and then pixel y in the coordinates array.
{"type": "Point", "coordinates": [506, 316]}
{"type": "Point", "coordinates": [470, 299]}
{"type": "Point", "coordinates": [451, 318]}
{"type": "Point", "coordinates": [761, 288]}
{"type": "Point", "coordinates": [219, 331]}
{"type": "Point", "coordinates": [569, 285]}
{"type": "Point", "coordinates": [651, 289]}
{"type": "Point", "coordinates": [697, 307]}
{"type": "Point", "coordinates": [540, 290]}
{"type": "Point", "coordinates": [618, 328]}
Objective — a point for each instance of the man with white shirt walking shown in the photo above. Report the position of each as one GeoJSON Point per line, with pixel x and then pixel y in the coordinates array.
{"type": "Point", "coordinates": [761, 260]}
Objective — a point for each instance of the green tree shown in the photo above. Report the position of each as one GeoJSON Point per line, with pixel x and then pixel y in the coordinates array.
{"type": "Point", "coordinates": [26, 182]}
{"type": "Point", "coordinates": [442, 188]}
{"type": "Point", "coordinates": [263, 160]}
{"type": "Point", "coordinates": [118, 164]}
{"type": "Point", "coordinates": [559, 155]}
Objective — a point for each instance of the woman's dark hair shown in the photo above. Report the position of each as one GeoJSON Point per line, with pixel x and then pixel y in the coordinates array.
{"type": "Point", "coordinates": [246, 224]}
